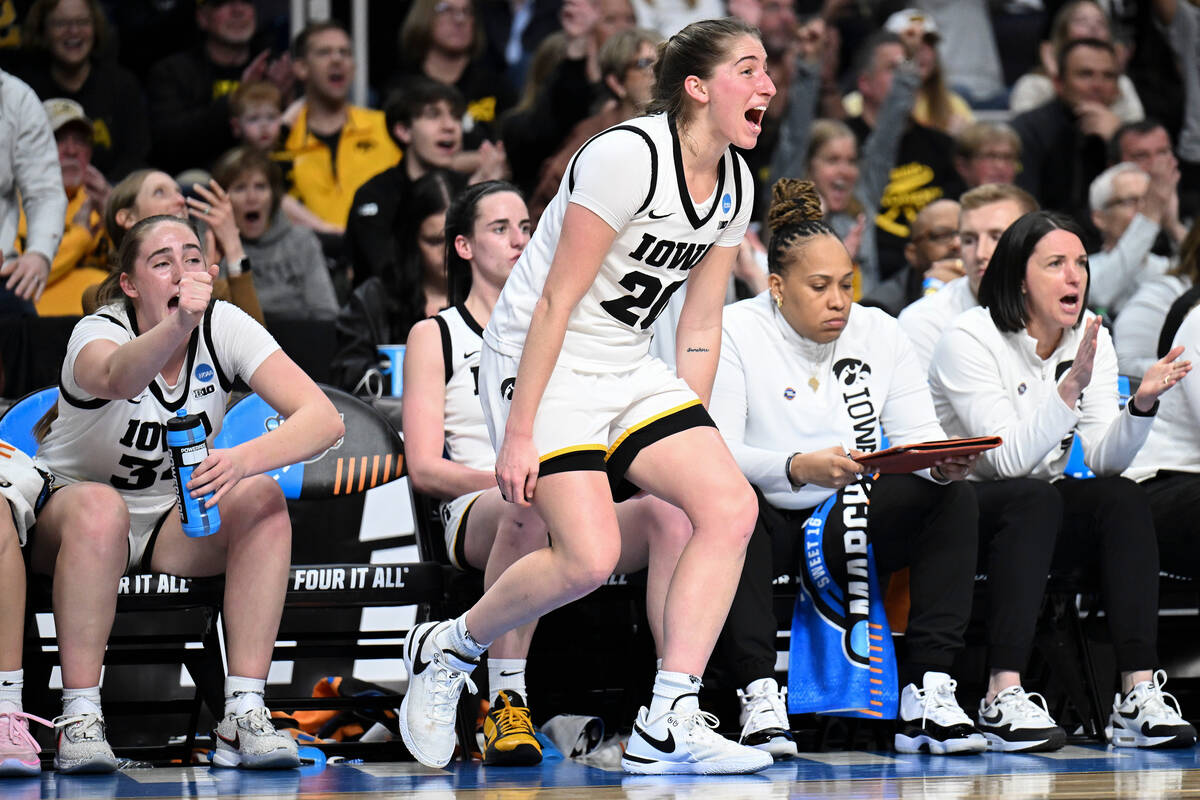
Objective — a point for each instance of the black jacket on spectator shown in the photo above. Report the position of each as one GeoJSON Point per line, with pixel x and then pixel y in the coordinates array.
{"type": "Point", "coordinates": [496, 17]}
{"type": "Point", "coordinates": [374, 219]}
{"type": "Point", "coordinates": [535, 134]}
{"type": "Point", "coordinates": [189, 110]}
{"type": "Point", "coordinates": [371, 226]}
{"type": "Point", "coordinates": [1058, 162]}
{"type": "Point", "coordinates": [370, 318]}
{"type": "Point", "coordinates": [923, 172]}
{"type": "Point", "coordinates": [112, 98]}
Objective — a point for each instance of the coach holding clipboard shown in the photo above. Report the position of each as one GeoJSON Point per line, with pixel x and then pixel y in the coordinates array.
{"type": "Point", "coordinates": [808, 382]}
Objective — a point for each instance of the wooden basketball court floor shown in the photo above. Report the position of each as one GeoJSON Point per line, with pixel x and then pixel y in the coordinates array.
{"type": "Point", "coordinates": [1074, 772]}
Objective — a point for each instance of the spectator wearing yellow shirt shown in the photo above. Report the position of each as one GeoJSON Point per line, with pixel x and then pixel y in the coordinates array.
{"type": "Point", "coordinates": [82, 257]}
{"type": "Point", "coordinates": [335, 147]}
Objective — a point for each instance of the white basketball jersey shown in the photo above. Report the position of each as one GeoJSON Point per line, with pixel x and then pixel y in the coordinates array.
{"type": "Point", "coordinates": [122, 443]}
{"type": "Point", "coordinates": [467, 440]}
{"type": "Point", "coordinates": [631, 176]}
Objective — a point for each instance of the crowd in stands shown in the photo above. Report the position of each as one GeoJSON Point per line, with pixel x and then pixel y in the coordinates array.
{"type": "Point", "coordinates": [975, 217]}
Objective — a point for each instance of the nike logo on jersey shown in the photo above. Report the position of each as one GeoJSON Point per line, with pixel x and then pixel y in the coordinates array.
{"type": "Point", "coordinates": [666, 745]}
{"type": "Point", "coordinates": [471, 354]}
{"type": "Point", "coordinates": [660, 216]}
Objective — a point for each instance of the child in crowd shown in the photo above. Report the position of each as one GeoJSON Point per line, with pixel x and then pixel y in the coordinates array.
{"type": "Point", "coordinates": [256, 116]}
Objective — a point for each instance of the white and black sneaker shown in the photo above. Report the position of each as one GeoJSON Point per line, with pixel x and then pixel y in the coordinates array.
{"type": "Point", "coordinates": [435, 680]}
{"type": "Point", "coordinates": [764, 718]}
{"type": "Point", "coordinates": [1019, 722]}
{"type": "Point", "coordinates": [931, 720]}
{"type": "Point", "coordinates": [683, 742]}
{"type": "Point", "coordinates": [1145, 718]}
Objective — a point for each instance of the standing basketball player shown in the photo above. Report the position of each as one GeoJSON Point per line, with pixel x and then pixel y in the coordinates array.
{"type": "Point", "coordinates": [581, 414]}
{"type": "Point", "coordinates": [158, 345]}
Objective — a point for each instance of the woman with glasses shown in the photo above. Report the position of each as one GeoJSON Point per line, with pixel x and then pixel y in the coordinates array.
{"type": "Point", "coordinates": [440, 39]}
{"type": "Point", "coordinates": [627, 69]}
{"type": "Point", "coordinates": [67, 37]}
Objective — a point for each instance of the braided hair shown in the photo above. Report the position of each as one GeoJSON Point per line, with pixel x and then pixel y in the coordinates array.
{"type": "Point", "coordinates": [794, 217]}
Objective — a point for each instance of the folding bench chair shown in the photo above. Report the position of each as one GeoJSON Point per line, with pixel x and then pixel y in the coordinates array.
{"type": "Point", "coordinates": [370, 454]}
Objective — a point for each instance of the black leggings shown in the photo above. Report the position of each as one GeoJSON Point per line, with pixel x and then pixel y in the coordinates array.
{"type": "Point", "coordinates": [1103, 525]}
{"type": "Point", "coordinates": [1175, 504]}
{"type": "Point", "coordinates": [913, 522]}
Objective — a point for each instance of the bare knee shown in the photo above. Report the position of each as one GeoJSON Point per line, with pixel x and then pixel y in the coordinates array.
{"type": "Point", "coordinates": [729, 515]}
{"type": "Point", "coordinates": [587, 570]}
{"type": "Point", "coordinates": [257, 506]}
{"type": "Point", "coordinates": [668, 524]}
{"type": "Point", "coordinates": [97, 522]}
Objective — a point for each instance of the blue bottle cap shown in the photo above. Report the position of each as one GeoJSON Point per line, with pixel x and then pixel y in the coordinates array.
{"type": "Point", "coordinates": [181, 412]}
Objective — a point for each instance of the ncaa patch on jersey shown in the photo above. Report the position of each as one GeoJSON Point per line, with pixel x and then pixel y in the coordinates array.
{"type": "Point", "coordinates": [726, 203]}
{"type": "Point", "coordinates": [204, 373]}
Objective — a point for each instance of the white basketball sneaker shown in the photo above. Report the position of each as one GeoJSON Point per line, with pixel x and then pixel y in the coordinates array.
{"type": "Point", "coordinates": [1145, 718]}
{"type": "Point", "coordinates": [435, 680]}
{"type": "Point", "coordinates": [1019, 722]}
{"type": "Point", "coordinates": [764, 718]}
{"type": "Point", "coordinates": [684, 742]}
{"type": "Point", "coordinates": [931, 721]}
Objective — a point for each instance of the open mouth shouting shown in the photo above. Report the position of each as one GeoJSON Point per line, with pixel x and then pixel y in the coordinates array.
{"type": "Point", "coordinates": [754, 116]}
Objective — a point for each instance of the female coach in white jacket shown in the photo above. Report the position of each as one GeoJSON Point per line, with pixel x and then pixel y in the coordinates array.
{"type": "Point", "coordinates": [1033, 366]}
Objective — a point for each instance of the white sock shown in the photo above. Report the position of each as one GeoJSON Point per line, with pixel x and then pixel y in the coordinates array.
{"type": "Point", "coordinates": [243, 694]}
{"type": "Point", "coordinates": [81, 701]}
{"type": "Point", "coordinates": [11, 684]}
{"type": "Point", "coordinates": [506, 674]}
{"type": "Point", "coordinates": [458, 643]}
{"type": "Point", "coordinates": [674, 690]}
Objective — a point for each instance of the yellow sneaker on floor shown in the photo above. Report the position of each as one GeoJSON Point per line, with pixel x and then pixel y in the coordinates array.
{"type": "Point", "coordinates": [508, 734]}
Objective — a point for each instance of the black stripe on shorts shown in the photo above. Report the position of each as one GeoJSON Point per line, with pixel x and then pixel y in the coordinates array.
{"type": "Point", "coordinates": [639, 438]}
{"type": "Point", "coordinates": [573, 459]}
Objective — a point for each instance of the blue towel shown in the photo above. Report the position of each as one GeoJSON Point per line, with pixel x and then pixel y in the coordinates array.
{"type": "Point", "coordinates": [841, 659]}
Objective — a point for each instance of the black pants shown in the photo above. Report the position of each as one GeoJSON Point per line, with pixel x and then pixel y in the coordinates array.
{"type": "Point", "coordinates": [913, 522]}
{"type": "Point", "coordinates": [1175, 505]}
{"type": "Point", "coordinates": [1101, 526]}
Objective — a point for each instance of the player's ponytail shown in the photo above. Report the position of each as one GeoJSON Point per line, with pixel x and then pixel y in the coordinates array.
{"type": "Point", "coordinates": [794, 217]}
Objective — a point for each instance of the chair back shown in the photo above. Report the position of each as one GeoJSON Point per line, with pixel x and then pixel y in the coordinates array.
{"type": "Point", "coordinates": [371, 453]}
{"type": "Point", "coordinates": [17, 421]}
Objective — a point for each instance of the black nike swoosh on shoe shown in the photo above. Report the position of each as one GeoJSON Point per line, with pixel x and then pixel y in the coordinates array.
{"type": "Point", "coordinates": [419, 665]}
{"type": "Point", "coordinates": [660, 216]}
{"type": "Point", "coordinates": [1126, 715]}
{"type": "Point", "coordinates": [992, 720]}
{"type": "Point", "coordinates": [666, 745]}
{"type": "Point", "coordinates": [235, 742]}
